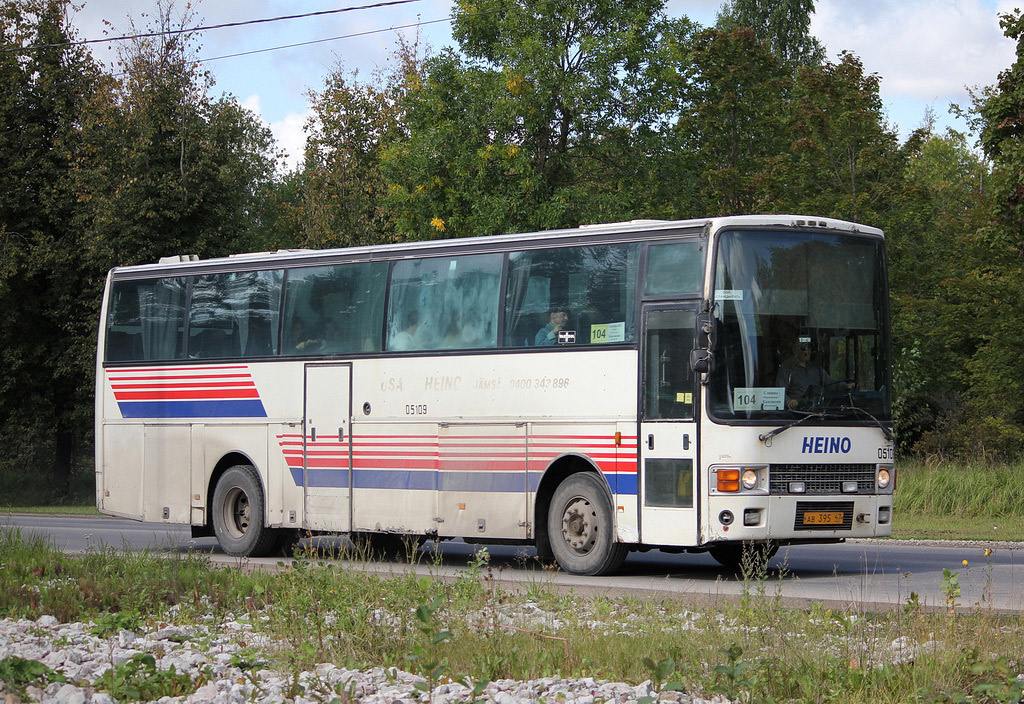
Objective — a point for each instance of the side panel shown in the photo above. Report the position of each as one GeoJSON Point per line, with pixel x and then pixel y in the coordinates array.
{"type": "Point", "coordinates": [119, 484]}
{"type": "Point", "coordinates": [166, 468]}
{"type": "Point", "coordinates": [457, 424]}
{"type": "Point", "coordinates": [482, 482]}
{"type": "Point", "coordinates": [394, 480]}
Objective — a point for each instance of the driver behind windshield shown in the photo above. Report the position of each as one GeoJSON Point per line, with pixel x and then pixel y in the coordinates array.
{"type": "Point", "coordinates": [805, 380]}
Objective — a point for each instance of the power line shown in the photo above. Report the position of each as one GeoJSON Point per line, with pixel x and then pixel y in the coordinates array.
{"type": "Point", "coordinates": [146, 35]}
{"type": "Point", "coordinates": [328, 39]}
{"type": "Point", "coordinates": [368, 32]}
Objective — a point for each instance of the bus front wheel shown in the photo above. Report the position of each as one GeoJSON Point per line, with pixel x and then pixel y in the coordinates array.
{"type": "Point", "coordinates": [746, 557]}
{"type": "Point", "coordinates": [238, 513]}
{"type": "Point", "coordinates": [581, 529]}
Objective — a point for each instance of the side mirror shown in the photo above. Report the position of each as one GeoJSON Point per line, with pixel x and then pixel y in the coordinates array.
{"type": "Point", "coordinates": [701, 361]}
{"type": "Point", "coordinates": [707, 332]}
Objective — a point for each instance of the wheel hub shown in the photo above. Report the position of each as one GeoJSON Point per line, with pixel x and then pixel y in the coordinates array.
{"type": "Point", "coordinates": [579, 529]}
{"type": "Point", "coordinates": [240, 513]}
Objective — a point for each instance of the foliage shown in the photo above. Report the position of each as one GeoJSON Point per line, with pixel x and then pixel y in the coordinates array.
{"type": "Point", "coordinates": [44, 286]}
{"type": "Point", "coordinates": [529, 128]}
{"type": "Point", "coordinates": [732, 123]}
{"type": "Point", "coordinates": [17, 673]}
{"type": "Point", "coordinates": [100, 170]}
{"type": "Point", "coordinates": [544, 115]}
{"type": "Point", "coordinates": [784, 25]}
{"type": "Point", "coordinates": [353, 123]}
{"type": "Point", "coordinates": [138, 679]}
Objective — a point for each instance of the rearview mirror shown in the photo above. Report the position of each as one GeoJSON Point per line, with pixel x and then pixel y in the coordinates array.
{"type": "Point", "coordinates": [701, 361]}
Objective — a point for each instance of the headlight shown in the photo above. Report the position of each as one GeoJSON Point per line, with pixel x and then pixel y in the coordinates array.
{"type": "Point", "coordinates": [884, 476]}
{"type": "Point", "coordinates": [749, 479]}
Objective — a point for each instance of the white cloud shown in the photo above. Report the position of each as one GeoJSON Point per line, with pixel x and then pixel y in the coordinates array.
{"type": "Point", "coordinates": [252, 103]}
{"type": "Point", "coordinates": [290, 136]}
{"type": "Point", "coordinates": [929, 50]}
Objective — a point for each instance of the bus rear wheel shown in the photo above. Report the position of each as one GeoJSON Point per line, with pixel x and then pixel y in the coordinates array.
{"type": "Point", "coordinates": [580, 527]}
{"type": "Point", "coordinates": [238, 514]}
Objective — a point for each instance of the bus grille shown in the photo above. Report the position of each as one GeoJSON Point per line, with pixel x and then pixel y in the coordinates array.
{"type": "Point", "coordinates": [821, 479]}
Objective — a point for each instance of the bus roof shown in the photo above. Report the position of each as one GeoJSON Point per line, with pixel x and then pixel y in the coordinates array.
{"type": "Point", "coordinates": [606, 232]}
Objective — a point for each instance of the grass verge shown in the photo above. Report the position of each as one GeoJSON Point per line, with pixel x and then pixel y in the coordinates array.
{"type": "Point", "coordinates": [53, 510]}
{"type": "Point", "coordinates": [749, 649]}
{"type": "Point", "coordinates": [947, 501]}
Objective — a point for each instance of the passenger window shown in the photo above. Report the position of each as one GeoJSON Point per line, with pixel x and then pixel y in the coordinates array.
{"type": "Point", "coordinates": [571, 296]}
{"type": "Point", "coordinates": [444, 303]}
{"type": "Point", "coordinates": [675, 269]}
{"type": "Point", "coordinates": [335, 309]}
{"type": "Point", "coordinates": [146, 320]}
{"type": "Point", "coordinates": [234, 315]}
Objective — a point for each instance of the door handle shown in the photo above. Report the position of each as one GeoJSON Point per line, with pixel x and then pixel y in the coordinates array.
{"type": "Point", "coordinates": [650, 441]}
{"type": "Point", "coordinates": [686, 441]}
{"type": "Point", "coordinates": [312, 434]}
{"type": "Point", "coordinates": [341, 433]}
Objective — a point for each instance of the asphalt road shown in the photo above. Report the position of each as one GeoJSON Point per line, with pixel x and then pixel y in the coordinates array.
{"type": "Point", "coordinates": [870, 574]}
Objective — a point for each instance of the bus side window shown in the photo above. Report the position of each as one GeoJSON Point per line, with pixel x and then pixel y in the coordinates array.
{"type": "Point", "coordinates": [444, 303]}
{"type": "Point", "coordinates": [675, 268]}
{"type": "Point", "coordinates": [234, 313]}
{"type": "Point", "coordinates": [336, 309]}
{"type": "Point", "coordinates": [145, 320]}
{"type": "Point", "coordinates": [595, 286]}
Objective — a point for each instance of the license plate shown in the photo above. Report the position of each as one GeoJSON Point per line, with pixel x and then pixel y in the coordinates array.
{"type": "Point", "coordinates": [823, 518]}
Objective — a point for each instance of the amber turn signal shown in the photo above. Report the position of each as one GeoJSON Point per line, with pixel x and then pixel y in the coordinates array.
{"type": "Point", "coordinates": [728, 480]}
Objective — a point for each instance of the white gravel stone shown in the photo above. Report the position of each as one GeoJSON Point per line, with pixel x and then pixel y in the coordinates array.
{"type": "Point", "coordinates": [83, 658]}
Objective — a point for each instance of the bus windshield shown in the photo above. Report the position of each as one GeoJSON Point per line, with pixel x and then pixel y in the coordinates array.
{"type": "Point", "coordinates": [800, 327]}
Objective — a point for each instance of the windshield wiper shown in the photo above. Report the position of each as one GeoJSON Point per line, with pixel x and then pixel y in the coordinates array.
{"type": "Point", "coordinates": [765, 437]}
{"type": "Point", "coordinates": [886, 431]}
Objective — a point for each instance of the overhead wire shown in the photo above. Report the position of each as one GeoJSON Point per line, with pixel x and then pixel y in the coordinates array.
{"type": "Point", "coordinates": [224, 25]}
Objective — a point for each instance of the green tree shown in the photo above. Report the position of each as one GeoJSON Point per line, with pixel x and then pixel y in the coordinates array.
{"type": "Point", "coordinates": [784, 24]}
{"type": "Point", "coordinates": [532, 125]}
{"type": "Point", "coordinates": [732, 123]}
{"type": "Point", "coordinates": [341, 183]}
{"type": "Point", "coordinates": [993, 287]}
{"type": "Point", "coordinates": [170, 170]}
{"type": "Point", "coordinates": [844, 160]}
{"type": "Point", "coordinates": [942, 206]}
{"type": "Point", "coordinates": [45, 310]}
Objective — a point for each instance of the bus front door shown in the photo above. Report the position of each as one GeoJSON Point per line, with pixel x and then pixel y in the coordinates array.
{"type": "Point", "coordinates": [327, 447]}
{"type": "Point", "coordinates": [668, 433]}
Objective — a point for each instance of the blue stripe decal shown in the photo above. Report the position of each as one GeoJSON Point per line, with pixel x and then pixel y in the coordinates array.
{"type": "Point", "coordinates": [626, 484]}
{"type": "Point", "coordinates": [506, 482]}
{"type": "Point", "coordinates": [428, 480]}
{"type": "Point", "coordinates": [242, 408]}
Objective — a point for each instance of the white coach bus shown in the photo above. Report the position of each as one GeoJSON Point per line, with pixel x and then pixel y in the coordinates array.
{"type": "Point", "coordinates": [689, 386]}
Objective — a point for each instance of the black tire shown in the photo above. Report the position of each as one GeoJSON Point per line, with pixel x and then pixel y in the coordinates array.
{"type": "Point", "coordinates": [581, 529]}
{"type": "Point", "coordinates": [732, 555]}
{"type": "Point", "coordinates": [239, 513]}
{"type": "Point", "coordinates": [385, 546]}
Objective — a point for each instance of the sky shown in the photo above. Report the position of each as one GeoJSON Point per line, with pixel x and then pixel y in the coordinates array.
{"type": "Point", "coordinates": [927, 53]}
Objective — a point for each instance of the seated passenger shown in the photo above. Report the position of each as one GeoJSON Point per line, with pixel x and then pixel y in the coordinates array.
{"type": "Point", "coordinates": [301, 342]}
{"type": "Point", "coordinates": [548, 335]}
{"type": "Point", "coordinates": [406, 339]}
